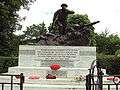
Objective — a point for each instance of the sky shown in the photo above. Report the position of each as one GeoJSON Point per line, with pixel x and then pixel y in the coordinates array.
{"type": "Point", "coordinates": [105, 11]}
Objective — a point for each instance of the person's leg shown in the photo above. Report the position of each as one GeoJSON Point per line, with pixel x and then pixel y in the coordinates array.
{"type": "Point", "coordinates": [63, 28]}
{"type": "Point", "coordinates": [60, 27]}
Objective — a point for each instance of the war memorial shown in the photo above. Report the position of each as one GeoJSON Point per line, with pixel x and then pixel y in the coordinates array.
{"type": "Point", "coordinates": [58, 62]}
{"type": "Point", "coordinates": [54, 64]}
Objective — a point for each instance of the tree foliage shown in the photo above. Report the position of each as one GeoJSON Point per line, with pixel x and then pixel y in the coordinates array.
{"type": "Point", "coordinates": [109, 62]}
{"type": "Point", "coordinates": [33, 32]}
{"type": "Point", "coordinates": [9, 21]}
{"type": "Point", "coordinates": [77, 19]}
{"type": "Point", "coordinates": [117, 53]}
{"type": "Point", "coordinates": [6, 62]}
{"type": "Point", "coordinates": [107, 44]}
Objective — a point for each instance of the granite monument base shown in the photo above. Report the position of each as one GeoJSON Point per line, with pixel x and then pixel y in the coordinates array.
{"type": "Point", "coordinates": [36, 60]}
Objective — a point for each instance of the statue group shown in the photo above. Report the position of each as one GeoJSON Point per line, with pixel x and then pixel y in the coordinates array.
{"type": "Point", "coordinates": [79, 37]}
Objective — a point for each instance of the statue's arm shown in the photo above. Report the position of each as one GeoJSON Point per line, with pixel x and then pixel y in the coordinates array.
{"type": "Point", "coordinates": [55, 15]}
{"type": "Point", "coordinates": [70, 12]}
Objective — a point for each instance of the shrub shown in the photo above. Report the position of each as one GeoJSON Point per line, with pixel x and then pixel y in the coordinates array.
{"type": "Point", "coordinates": [117, 53]}
{"type": "Point", "coordinates": [6, 62]}
{"type": "Point", "coordinates": [109, 62]}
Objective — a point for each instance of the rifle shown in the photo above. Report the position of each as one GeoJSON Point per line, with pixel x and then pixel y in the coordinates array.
{"type": "Point", "coordinates": [86, 25]}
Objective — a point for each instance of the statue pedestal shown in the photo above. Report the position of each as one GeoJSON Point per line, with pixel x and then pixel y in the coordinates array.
{"type": "Point", "coordinates": [36, 60]}
{"type": "Point", "coordinates": [66, 56]}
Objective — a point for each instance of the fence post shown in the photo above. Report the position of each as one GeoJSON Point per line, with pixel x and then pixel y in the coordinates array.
{"type": "Point", "coordinates": [22, 78]}
{"type": "Point", "coordinates": [11, 83]}
{"type": "Point", "coordinates": [88, 80]}
{"type": "Point", "coordinates": [100, 78]}
{"type": "Point", "coordinates": [2, 86]}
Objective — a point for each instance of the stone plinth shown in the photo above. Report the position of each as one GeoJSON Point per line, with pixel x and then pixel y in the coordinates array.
{"type": "Point", "coordinates": [66, 56]}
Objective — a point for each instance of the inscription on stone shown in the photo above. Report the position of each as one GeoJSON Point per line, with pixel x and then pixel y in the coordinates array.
{"type": "Point", "coordinates": [27, 52]}
{"type": "Point", "coordinates": [58, 54]}
{"type": "Point", "coordinates": [66, 56]}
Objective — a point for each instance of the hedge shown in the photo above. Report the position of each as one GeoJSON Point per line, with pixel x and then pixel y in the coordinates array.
{"type": "Point", "coordinates": [6, 62]}
{"type": "Point", "coordinates": [109, 62]}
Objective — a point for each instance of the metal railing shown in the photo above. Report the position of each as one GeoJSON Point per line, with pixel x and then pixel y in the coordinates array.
{"type": "Point", "coordinates": [11, 83]}
{"type": "Point", "coordinates": [95, 82]}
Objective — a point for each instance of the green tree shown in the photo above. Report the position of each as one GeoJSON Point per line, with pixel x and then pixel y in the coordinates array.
{"type": "Point", "coordinates": [117, 53]}
{"type": "Point", "coordinates": [33, 32]}
{"type": "Point", "coordinates": [107, 43]}
{"type": "Point", "coordinates": [77, 19]}
{"type": "Point", "coordinates": [9, 21]}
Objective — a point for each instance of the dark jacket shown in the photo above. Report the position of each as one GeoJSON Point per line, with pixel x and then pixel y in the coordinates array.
{"type": "Point", "coordinates": [61, 15]}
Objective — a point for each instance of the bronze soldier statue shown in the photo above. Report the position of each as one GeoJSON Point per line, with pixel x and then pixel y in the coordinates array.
{"type": "Point", "coordinates": [60, 18]}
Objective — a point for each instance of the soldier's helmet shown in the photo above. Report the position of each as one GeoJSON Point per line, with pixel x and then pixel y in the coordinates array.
{"type": "Point", "coordinates": [64, 5]}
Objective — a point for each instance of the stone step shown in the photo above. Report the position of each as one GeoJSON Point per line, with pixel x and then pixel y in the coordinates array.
{"type": "Point", "coordinates": [55, 82]}
{"type": "Point", "coordinates": [54, 87]}
{"type": "Point", "coordinates": [62, 82]}
{"type": "Point", "coordinates": [43, 71]}
{"type": "Point", "coordinates": [46, 87]}
{"type": "Point", "coordinates": [41, 81]}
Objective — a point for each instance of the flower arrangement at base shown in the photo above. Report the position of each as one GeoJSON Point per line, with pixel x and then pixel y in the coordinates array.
{"type": "Point", "coordinates": [79, 78]}
{"type": "Point", "coordinates": [49, 76]}
{"type": "Point", "coordinates": [17, 76]}
{"type": "Point", "coordinates": [33, 77]}
{"type": "Point", "coordinates": [55, 66]}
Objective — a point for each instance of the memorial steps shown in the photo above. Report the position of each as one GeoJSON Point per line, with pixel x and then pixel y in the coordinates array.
{"type": "Point", "coordinates": [52, 87]}
{"type": "Point", "coordinates": [46, 87]}
{"type": "Point", "coordinates": [47, 84]}
{"type": "Point", "coordinates": [50, 84]}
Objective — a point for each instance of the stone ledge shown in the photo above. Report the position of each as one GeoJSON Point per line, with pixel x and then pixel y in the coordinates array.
{"type": "Point", "coordinates": [43, 71]}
